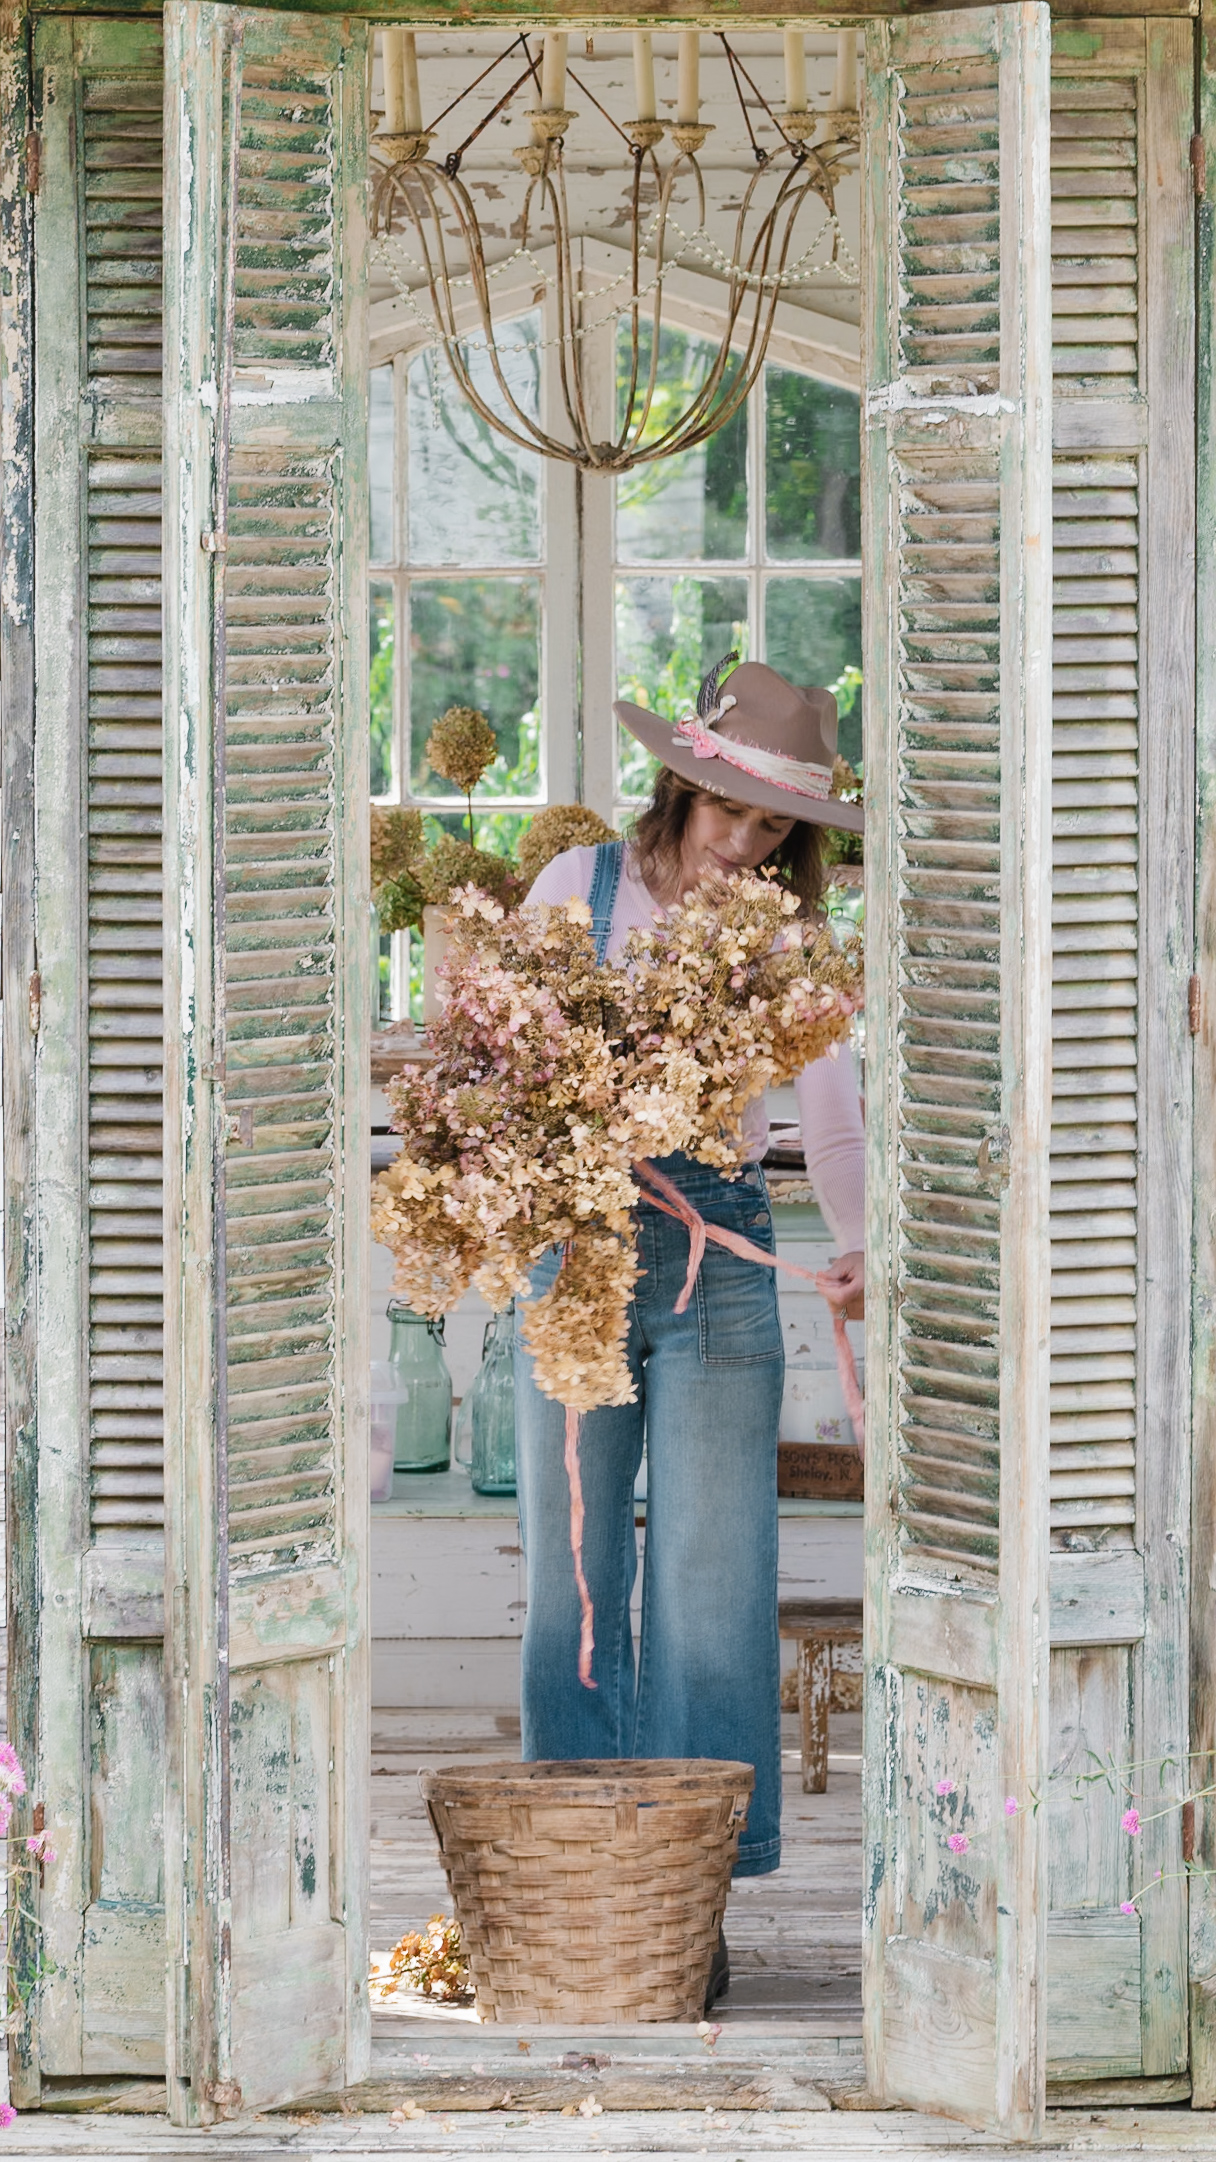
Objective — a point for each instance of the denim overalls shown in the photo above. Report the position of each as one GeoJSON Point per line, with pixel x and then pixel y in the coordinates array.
{"type": "Point", "coordinates": [709, 1385]}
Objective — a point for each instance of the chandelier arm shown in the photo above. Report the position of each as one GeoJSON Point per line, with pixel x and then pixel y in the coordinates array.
{"type": "Point", "coordinates": [436, 283]}
{"type": "Point", "coordinates": [635, 257]}
{"type": "Point", "coordinates": [437, 182]}
{"type": "Point", "coordinates": [532, 436]}
{"type": "Point", "coordinates": [758, 94]}
{"type": "Point", "coordinates": [454, 156]}
{"type": "Point", "coordinates": [582, 87]}
{"type": "Point", "coordinates": [461, 95]}
{"type": "Point", "coordinates": [633, 431]}
{"type": "Point", "coordinates": [705, 416]}
{"type": "Point", "coordinates": [694, 430]}
{"type": "Point", "coordinates": [760, 155]}
{"type": "Point", "coordinates": [569, 365]}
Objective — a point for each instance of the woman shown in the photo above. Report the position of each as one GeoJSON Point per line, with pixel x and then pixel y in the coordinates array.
{"type": "Point", "coordinates": [746, 782]}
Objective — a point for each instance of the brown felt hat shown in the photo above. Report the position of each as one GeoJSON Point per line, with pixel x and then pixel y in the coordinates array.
{"type": "Point", "coordinates": [755, 739]}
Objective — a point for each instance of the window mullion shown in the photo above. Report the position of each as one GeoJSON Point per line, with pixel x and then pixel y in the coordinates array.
{"type": "Point", "coordinates": [757, 510]}
{"type": "Point", "coordinates": [559, 590]}
{"type": "Point", "coordinates": [401, 620]}
{"type": "Point", "coordinates": [598, 596]}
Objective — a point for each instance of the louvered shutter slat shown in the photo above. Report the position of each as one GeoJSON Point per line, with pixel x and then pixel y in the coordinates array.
{"type": "Point", "coordinates": [122, 158]}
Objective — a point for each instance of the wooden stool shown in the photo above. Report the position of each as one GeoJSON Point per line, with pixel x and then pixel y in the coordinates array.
{"type": "Point", "coordinates": [828, 1635]}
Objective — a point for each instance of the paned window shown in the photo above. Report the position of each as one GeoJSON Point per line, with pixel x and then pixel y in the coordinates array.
{"type": "Point", "coordinates": [458, 580]}
{"type": "Point", "coordinates": [750, 542]}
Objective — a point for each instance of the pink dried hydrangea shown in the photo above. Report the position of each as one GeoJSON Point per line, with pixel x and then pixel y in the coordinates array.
{"type": "Point", "coordinates": [553, 1075]}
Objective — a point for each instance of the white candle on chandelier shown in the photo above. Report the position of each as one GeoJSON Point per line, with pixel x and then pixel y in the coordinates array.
{"type": "Point", "coordinates": [413, 94]}
{"type": "Point", "coordinates": [643, 75]}
{"type": "Point", "coordinates": [844, 93]}
{"type": "Point", "coordinates": [795, 71]}
{"type": "Point", "coordinates": [688, 88]}
{"type": "Point", "coordinates": [553, 72]}
{"type": "Point", "coordinates": [393, 47]}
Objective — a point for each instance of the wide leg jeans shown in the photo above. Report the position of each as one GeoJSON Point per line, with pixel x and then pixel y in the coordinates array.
{"type": "Point", "coordinates": [709, 1385]}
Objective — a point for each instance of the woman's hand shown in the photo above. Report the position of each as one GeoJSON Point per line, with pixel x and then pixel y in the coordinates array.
{"type": "Point", "coordinates": [849, 1271]}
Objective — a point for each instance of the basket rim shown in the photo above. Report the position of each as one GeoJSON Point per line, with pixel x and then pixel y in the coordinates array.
{"type": "Point", "coordinates": [591, 1779]}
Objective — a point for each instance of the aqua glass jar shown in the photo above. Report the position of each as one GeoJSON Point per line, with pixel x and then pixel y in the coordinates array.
{"type": "Point", "coordinates": [424, 1421]}
{"type": "Point", "coordinates": [492, 1419]}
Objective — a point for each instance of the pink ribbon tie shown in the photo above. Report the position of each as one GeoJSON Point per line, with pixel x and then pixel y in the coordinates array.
{"type": "Point", "coordinates": [659, 1190]}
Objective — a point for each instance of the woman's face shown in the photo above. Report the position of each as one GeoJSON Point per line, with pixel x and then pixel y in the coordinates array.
{"type": "Point", "coordinates": [722, 836]}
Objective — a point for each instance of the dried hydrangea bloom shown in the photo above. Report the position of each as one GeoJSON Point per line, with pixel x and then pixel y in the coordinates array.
{"type": "Point", "coordinates": [551, 832]}
{"type": "Point", "coordinates": [396, 842]}
{"type": "Point", "coordinates": [460, 747]}
{"type": "Point", "coordinates": [399, 903]}
{"type": "Point", "coordinates": [452, 864]}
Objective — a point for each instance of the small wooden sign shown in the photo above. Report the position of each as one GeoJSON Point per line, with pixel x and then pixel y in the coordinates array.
{"type": "Point", "coordinates": [819, 1471]}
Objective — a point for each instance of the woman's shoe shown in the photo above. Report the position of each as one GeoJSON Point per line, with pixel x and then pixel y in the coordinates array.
{"type": "Point", "coordinates": [719, 1974]}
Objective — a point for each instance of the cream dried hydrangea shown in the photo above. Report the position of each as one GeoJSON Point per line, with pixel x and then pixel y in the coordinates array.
{"type": "Point", "coordinates": [555, 1074]}
{"type": "Point", "coordinates": [552, 831]}
{"type": "Point", "coordinates": [452, 864]}
{"type": "Point", "coordinates": [461, 747]}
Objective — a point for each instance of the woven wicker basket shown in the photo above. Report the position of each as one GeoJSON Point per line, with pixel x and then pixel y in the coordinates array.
{"type": "Point", "coordinates": [590, 1893]}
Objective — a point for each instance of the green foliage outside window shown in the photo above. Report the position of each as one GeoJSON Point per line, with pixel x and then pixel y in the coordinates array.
{"type": "Point", "coordinates": [812, 478]}
{"type": "Point", "coordinates": [476, 641]}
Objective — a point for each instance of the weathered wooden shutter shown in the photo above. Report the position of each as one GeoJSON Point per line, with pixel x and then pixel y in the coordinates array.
{"type": "Point", "coordinates": [266, 1055]}
{"type": "Point", "coordinates": [956, 552]}
{"type": "Point", "coordinates": [1123, 291]}
{"type": "Point", "coordinates": [100, 1718]}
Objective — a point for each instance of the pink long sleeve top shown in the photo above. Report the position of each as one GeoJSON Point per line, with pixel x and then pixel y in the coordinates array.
{"type": "Point", "coordinates": [828, 1105]}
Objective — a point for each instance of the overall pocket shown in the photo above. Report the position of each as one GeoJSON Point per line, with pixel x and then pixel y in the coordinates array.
{"type": "Point", "coordinates": [737, 1314]}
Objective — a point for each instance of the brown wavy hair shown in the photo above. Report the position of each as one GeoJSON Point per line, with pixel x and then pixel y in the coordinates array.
{"type": "Point", "coordinates": [658, 837]}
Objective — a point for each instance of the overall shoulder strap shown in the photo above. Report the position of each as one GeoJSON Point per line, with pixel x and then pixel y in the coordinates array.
{"type": "Point", "coordinates": [605, 880]}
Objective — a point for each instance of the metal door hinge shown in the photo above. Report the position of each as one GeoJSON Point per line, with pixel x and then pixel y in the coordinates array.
{"type": "Point", "coordinates": [1194, 1005]}
{"type": "Point", "coordinates": [35, 1002]}
{"type": "Point", "coordinates": [214, 544]}
{"type": "Point", "coordinates": [33, 163]}
{"type": "Point", "coordinates": [1199, 166]}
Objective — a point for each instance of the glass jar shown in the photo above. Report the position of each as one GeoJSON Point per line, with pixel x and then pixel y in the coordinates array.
{"type": "Point", "coordinates": [389, 1398]}
{"type": "Point", "coordinates": [492, 1412]}
{"type": "Point", "coordinates": [424, 1422]}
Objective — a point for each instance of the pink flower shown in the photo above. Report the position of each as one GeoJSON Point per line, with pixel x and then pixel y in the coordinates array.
{"type": "Point", "coordinates": [11, 1774]}
{"type": "Point", "coordinates": [944, 1786]}
{"type": "Point", "coordinates": [7, 2114]}
{"type": "Point", "coordinates": [37, 1844]}
{"type": "Point", "coordinates": [1130, 1821]}
{"type": "Point", "coordinates": [1011, 1807]}
{"type": "Point", "coordinates": [958, 1842]}
{"type": "Point", "coordinates": [1127, 1906]}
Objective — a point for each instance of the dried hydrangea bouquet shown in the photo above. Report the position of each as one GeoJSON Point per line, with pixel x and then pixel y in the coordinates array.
{"type": "Point", "coordinates": [556, 1077]}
